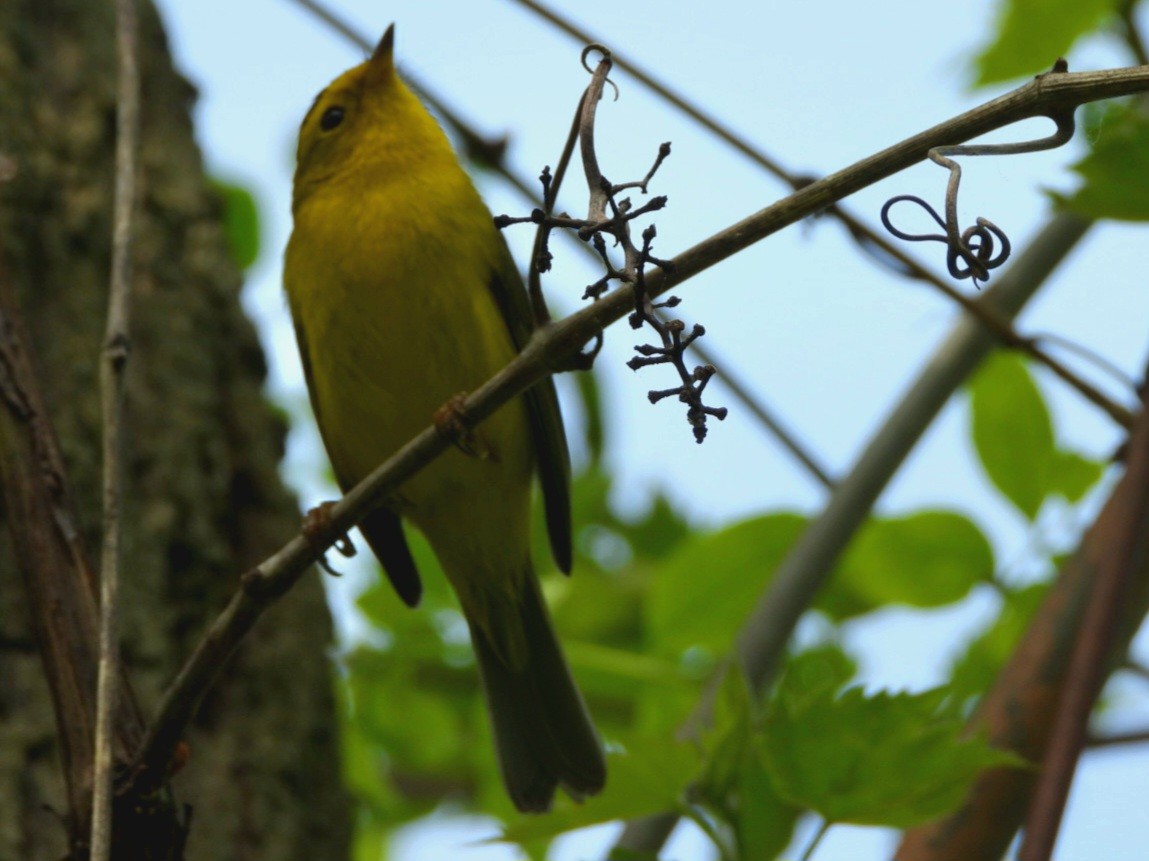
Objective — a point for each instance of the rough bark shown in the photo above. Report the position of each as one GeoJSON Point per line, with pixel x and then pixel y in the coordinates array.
{"type": "Point", "coordinates": [204, 498]}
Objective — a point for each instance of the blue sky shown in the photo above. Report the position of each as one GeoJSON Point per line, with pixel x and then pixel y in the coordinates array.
{"type": "Point", "coordinates": [823, 335]}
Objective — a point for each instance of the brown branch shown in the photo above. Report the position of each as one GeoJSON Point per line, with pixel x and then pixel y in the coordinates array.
{"type": "Point", "coordinates": [1048, 672]}
{"type": "Point", "coordinates": [1124, 554]}
{"type": "Point", "coordinates": [117, 346]}
{"type": "Point", "coordinates": [46, 540]}
{"type": "Point", "coordinates": [58, 577]}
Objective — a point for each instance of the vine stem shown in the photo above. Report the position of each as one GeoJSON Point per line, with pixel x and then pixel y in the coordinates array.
{"type": "Point", "coordinates": [117, 347]}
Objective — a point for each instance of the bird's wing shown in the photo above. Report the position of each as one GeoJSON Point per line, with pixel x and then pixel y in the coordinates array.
{"type": "Point", "coordinates": [381, 527]}
{"type": "Point", "coordinates": [543, 407]}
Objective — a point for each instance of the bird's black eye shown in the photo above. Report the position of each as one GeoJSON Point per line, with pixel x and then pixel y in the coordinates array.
{"type": "Point", "coordinates": [331, 118]}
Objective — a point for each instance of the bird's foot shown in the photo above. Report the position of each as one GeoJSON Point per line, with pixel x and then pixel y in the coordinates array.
{"type": "Point", "coordinates": [451, 421]}
{"type": "Point", "coordinates": [317, 529]}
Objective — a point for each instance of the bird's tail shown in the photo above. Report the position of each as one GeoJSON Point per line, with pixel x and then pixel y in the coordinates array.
{"type": "Point", "coordinates": [543, 733]}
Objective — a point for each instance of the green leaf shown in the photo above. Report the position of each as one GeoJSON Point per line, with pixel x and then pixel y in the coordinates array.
{"type": "Point", "coordinates": [1074, 475]}
{"type": "Point", "coordinates": [818, 670]}
{"type": "Point", "coordinates": [927, 559]}
{"type": "Point", "coordinates": [1033, 33]}
{"type": "Point", "coordinates": [1115, 172]}
{"type": "Point", "coordinates": [421, 727]}
{"type": "Point", "coordinates": [726, 745]}
{"type": "Point", "coordinates": [649, 777]}
{"type": "Point", "coordinates": [1012, 431]}
{"type": "Point", "coordinates": [370, 839]}
{"type": "Point", "coordinates": [735, 786]}
{"type": "Point", "coordinates": [763, 823]}
{"type": "Point", "coordinates": [658, 531]}
{"type": "Point", "coordinates": [364, 769]}
{"type": "Point", "coordinates": [705, 589]}
{"type": "Point", "coordinates": [873, 759]}
{"type": "Point", "coordinates": [240, 221]}
{"type": "Point", "coordinates": [976, 669]}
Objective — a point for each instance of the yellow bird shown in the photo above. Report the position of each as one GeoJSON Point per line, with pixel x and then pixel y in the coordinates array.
{"type": "Point", "coordinates": [404, 294]}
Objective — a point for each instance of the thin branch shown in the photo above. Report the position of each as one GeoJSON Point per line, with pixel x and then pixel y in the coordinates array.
{"type": "Point", "coordinates": [822, 831]}
{"type": "Point", "coordinates": [1117, 738]}
{"type": "Point", "coordinates": [866, 236]}
{"type": "Point", "coordinates": [117, 346]}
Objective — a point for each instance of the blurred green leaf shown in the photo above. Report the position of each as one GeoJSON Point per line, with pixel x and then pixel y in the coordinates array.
{"type": "Point", "coordinates": [975, 670]}
{"type": "Point", "coordinates": [734, 785]}
{"type": "Point", "coordinates": [240, 221]}
{"type": "Point", "coordinates": [1074, 475]}
{"type": "Point", "coordinates": [708, 586]}
{"type": "Point", "coordinates": [1012, 431]}
{"type": "Point", "coordinates": [817, 670]}
{"type": "Point", "coordinates": [1115, 172]}
{"type": "Point", "coordinates": [1031, 34]}
{"type": "Point", "coordinates": [371, 836]}
{"type": "Point", "coordinates": [364, 769]}
{"type": "Point", "coordinates": [872, 759]}
{"type": "Point", "coordinates": [658, 531]}
{"type": "Point", "coordinates": [648, 778]}
{"type": "Point", "coordinates": [763, 823]}
{"type": "Point", "coordinates": [927, 559]}
{"type": "Point", "coordinates": [730, 738]}
{"type": "Point", "coordinates": [419, 726]}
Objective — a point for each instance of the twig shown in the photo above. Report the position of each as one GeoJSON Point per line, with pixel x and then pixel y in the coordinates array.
{"type": "Point", "coordinates": [1091, 357]}
{"type": "Point", "coordinates": [867, 237]}
{"type": "Point", "coordinates": [822, 831]}
{"type": "Point", "coordinates": [117, 346]}
{"type": "Point", "coordinates": [551, 349]}
{"type": "Point", "coordinates": [1117, 738]}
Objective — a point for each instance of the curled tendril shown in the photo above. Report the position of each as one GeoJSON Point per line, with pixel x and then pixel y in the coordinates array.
{"type": "Point", "coordinates": [974, 246]}
{"type": "Point", "coordinates": [595, 47]}
{"type": "Point", "coordinates": [973, 252]}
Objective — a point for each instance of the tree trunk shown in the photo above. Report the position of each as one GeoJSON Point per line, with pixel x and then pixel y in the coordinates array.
{"type": "Point", "coordinates": [204, 499]}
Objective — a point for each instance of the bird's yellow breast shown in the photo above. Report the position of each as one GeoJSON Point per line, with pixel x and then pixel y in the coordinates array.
{"type": "Point", "coordinates": [389, 286]}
